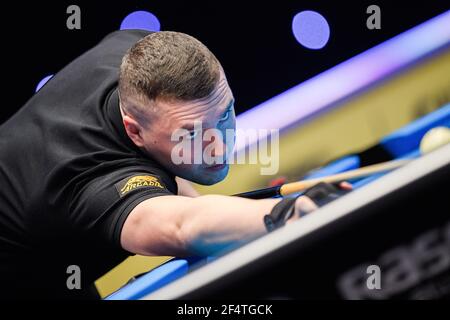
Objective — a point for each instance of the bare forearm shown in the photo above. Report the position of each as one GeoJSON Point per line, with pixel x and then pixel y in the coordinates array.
{"type": "Point", "coordinates": [183, 226]}
{"type": "Point", "coordinates": [213, 222]}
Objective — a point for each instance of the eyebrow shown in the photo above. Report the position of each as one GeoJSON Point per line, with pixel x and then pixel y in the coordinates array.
{"type": "Point", "coordinates": [190, 126]}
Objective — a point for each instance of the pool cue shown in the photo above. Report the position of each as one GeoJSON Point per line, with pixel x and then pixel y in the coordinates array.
{"type": "Point", "coordinates": [294, 187]}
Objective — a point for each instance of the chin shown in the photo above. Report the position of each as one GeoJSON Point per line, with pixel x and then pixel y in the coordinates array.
{"type": "Point", "coordinates": [208, 179]}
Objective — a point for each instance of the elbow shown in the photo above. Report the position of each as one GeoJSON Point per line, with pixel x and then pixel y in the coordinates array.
{"type": "Point", "coordinates": [197, 241]}
{"type": "Point", "coordinates": [192, 230]}
{"type": "Point", "coordinates": [199, 233]}
{"type": "Point", "coordinates": [191, 239]}
{"type": "Point", "coordinates": [154, 237]}
{"type": "Point", "coordinates": [179, 232]}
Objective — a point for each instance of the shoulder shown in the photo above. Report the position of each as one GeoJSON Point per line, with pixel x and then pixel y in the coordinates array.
{"type": "Point", "coordinates": [114, 45]}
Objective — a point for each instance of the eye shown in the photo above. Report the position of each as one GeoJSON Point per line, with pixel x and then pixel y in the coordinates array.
{"type": "Point", "coordinates": [192, 134]}
{"type": "Point", "coordinates": [225, 116]}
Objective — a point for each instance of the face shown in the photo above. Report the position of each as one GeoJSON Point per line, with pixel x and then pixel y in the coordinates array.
{"type": "Point", "coordinates": [200, 132]}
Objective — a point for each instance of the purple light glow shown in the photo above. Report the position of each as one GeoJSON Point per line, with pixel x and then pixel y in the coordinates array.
{"type": "Point", "coordinates": [43, 82]}
{"type": "Point", "coordinates": [321, 91]}
{"type": "Point", "coordinates": [311, 29]}
{"type": "Point", "coordinates": [142, 20]}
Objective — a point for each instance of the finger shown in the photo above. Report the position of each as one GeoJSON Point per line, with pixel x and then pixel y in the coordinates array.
{"type": "Point", "coordinates": [305, 205]}
{"type": "Point", "coordinates": [345, 185]}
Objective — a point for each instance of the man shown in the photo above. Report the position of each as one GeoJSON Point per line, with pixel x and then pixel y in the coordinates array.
{"type": "Point", "coordinates": [87, 175]}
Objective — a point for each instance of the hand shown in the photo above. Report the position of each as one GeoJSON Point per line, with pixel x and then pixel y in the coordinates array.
{"type": "Point", "coordinates": [304, 205]}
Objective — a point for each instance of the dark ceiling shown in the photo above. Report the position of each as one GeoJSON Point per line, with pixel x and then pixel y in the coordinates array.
{"type": "Point", "coordinates": [253, 40]}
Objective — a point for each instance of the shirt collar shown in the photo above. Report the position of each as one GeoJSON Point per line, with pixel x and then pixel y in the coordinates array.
{"type": "Point", "coordinates": [115, 117]}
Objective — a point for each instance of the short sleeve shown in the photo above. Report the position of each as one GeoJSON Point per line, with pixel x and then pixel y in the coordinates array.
{"type": "Point", "coordinates": [101, 206]}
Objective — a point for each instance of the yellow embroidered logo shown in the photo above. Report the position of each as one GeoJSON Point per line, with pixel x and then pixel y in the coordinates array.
{"type": "Point", "coordinates": [140, 181]}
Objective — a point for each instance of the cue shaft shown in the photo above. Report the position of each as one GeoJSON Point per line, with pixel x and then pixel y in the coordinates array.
{"type": "Point", "coordinates": [298, 186]}
{"type": "Point", "coordinates": [260, 193]}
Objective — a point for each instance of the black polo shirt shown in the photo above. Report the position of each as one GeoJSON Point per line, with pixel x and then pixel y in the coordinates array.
{"type": "Point", "coordinates": [69, 177]}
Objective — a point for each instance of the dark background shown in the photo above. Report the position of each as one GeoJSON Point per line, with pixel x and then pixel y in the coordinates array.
{"type": "Point", "coordinates": [253, 40]}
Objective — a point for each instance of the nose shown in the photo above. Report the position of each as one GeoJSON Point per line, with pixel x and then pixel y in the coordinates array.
{"type": "Point", "coordinates": [219, 149]}
{"type": "Point", "coordinates": [218, 144]}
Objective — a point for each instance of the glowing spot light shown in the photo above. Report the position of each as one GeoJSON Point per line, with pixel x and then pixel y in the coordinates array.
{"type": "Point", "coordinates": [43, 82]}
{"type": "Point", "coordinates": [142, 20]}
{"type": "Point", "coordinates": [311, 29]}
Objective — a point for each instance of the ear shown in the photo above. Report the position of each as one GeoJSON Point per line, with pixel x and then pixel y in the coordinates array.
{"type": "Point", "coordinates": [134, 130]}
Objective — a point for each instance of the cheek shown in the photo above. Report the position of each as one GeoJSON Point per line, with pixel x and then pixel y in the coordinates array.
{"type": "Point", "coordinates": [157, 143]}
{"type": "Point", "coordinates": [150, 138]}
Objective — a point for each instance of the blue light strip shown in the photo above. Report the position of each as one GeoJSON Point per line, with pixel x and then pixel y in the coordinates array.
{"type": "Point", "coordinates": [321, 91]}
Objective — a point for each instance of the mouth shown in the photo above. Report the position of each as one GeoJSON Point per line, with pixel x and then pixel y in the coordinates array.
{"type": "Point", "coordinates": [216, 167]}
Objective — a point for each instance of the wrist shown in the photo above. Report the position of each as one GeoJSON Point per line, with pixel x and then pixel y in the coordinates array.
{"type": "Point", "coordinates": [280, 214]}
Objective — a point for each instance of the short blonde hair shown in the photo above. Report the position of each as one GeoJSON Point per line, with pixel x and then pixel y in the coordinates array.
{"type": "Point", "coordinates": [169, 65]}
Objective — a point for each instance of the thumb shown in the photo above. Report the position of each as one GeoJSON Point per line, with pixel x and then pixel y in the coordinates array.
{"type": "Point", "coordinates": [304, 205]}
